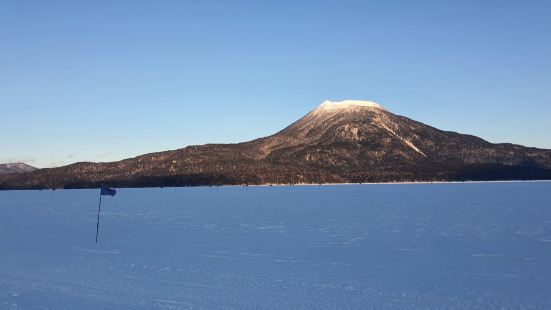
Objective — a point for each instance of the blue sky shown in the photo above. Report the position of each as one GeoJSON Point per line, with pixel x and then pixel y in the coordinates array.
{"type": "Point", "coordinates": [107, 80]}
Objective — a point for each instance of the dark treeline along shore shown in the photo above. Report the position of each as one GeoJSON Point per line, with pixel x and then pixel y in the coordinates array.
{"type": "Point", "coordinates": [338, 142]}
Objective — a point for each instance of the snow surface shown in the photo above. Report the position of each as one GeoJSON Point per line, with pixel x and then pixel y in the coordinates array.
{"type": "Point", "coordinates": [334, 105]}
{"type": "Point", "coordinates": [407, 142]}
{"type": "Point", "coordinates": [439, 246]}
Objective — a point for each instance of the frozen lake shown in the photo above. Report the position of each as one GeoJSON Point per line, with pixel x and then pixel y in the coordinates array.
{"type": "Point", "coordinates": [437, 246]}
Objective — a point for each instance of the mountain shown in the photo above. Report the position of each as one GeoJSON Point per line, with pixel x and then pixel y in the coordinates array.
{"type": "Point", "coordinates": [16, 168]}
{"type": "Point", "coordinates": [348, 141]}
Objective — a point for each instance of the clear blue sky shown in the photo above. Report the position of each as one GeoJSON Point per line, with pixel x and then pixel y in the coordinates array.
{"type": "Point", "coordinates": [106, 80]}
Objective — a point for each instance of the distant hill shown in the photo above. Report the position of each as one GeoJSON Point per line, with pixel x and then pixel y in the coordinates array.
{"type": "Point", "coordinates": [16, 168]}
{"type": "Point", "coordinates": [348, 141]}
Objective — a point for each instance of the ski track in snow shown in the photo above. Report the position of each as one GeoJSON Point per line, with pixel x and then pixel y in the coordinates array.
{"type": "Point", "coordinates": [441, 246]}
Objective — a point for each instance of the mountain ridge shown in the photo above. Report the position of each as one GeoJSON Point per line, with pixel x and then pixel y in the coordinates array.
{"type": "Point", "coordinates": [350, 141]}
{"type": "Point", "coordinates": [16, 168]}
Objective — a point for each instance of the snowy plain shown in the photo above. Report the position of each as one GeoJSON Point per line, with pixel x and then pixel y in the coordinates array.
{"type": "Point", "coordinates": [414, 246]}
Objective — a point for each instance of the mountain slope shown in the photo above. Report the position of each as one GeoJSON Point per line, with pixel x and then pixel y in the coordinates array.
{"type": "Point", "coordinates": [349, 141]}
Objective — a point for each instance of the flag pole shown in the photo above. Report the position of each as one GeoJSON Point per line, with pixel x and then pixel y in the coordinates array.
{"type": "Point", "coordinates": [99, 210]}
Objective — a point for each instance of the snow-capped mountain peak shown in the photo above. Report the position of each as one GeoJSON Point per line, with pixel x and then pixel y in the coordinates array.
{"type": "Point", "coordinates": [345, 104]}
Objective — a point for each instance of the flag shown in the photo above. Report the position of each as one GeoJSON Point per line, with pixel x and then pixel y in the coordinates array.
{"type": "Point", "coordinates": [108, 191]}
{"type": "Point", "coordinates": [104, 191]}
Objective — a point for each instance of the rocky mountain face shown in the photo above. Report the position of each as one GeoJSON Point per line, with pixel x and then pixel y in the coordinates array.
{"type": "Point", "coordinates": [15, 168]}
{"type": "Point", "coordinates": [348, 141]}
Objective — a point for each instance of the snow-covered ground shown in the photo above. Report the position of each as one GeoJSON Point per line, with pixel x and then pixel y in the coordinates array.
{"type": "Point", "coordinates": [437, 246]}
